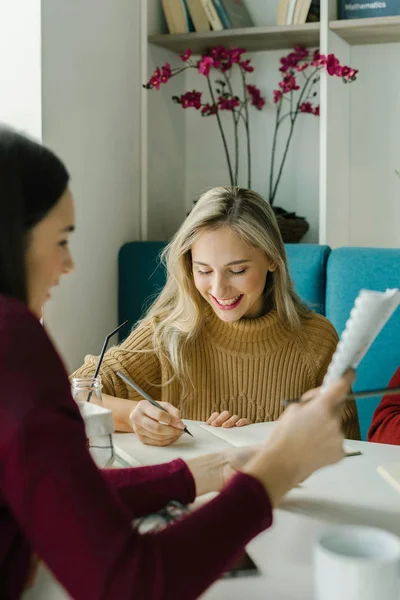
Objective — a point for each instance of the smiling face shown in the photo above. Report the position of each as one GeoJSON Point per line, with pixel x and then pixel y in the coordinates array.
{"type": "Point", "coordinates": [48, 255]}
{"type": "Point", "coordinates": [230, 274]}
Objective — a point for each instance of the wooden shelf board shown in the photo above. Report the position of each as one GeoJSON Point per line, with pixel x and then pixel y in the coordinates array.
{"type": "Point", "coordinates": [379, 30]}
{"type": "Point", "coordinates": [254, 39]}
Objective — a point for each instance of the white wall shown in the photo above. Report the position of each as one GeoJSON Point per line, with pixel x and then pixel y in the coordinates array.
{"type": "Point", "coordinates": [20, 65]}
{"type": "Point", "coordinates": [165, 151]}
{"type": "Point", "coordinates": [91, 91]}
{"type": "Point", "coordinates": [375, 147]}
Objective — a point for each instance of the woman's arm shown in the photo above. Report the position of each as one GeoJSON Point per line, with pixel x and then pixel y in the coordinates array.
{"type": "Point", "coordinates": [385, 427]}
{"type": "Point", "coordinates": [74, 521]}
{"type": "Point", "coordinates": [144, 490]}
{"type": "Point", "coordinates": [136, 358]}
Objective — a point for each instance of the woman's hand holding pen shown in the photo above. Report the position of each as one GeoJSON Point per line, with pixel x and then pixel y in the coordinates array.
{"type": "Point", "coordinates": [154, 426]}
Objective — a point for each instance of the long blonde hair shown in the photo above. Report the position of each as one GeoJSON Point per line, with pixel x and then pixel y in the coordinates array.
{"type": "Point", "coordinates": [178, 312]}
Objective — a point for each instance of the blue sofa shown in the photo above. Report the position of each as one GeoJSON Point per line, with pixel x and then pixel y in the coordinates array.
{"type": "Point", "coordinates": [328, 280]}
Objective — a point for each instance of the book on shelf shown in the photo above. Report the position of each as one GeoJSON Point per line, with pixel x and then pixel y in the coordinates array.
{"type": "Point", "coordinates": [297, 12]}
{"type": "Point", "coordinates": [212, 15]}
{"type": "Point", "coordinates": [285, 11]}
{"type": "Point", "coordinates": [352, 9]}
{"type": "Point", "coordinates": [301, 11]}
{"type": "Point", "coordinates": [237, 14]}
{"type": "Point", "coordinates": [219, 7]}
{"type": "Point", "coordinates": [198, 15]}
{"type": "Point", "coordinates": [177, 16]}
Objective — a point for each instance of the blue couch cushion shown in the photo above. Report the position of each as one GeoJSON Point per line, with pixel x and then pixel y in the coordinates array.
{"type": "Point", "coordinates": [349, 270]}
{"type": "Point", "coordinates": [141, 276]}
{"type": "Point", "coordinates": [307, 266]}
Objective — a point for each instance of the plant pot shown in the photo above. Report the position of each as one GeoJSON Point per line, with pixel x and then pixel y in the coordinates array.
{"type": "Point", "coordinates": [292, 227]}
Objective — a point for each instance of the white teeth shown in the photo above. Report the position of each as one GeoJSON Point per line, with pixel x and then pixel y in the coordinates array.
{"type": "Point", "coordinates": [228, 302]}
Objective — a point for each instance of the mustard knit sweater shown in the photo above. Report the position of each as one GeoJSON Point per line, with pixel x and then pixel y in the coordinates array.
{"type": "Point", "coordinates": [246, 367]}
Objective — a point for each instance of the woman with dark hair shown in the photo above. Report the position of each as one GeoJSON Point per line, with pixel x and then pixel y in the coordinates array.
{"type": "Point", "coordinates": [54, 502]}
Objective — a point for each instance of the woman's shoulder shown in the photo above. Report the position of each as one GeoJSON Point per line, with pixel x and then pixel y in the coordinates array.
{"type": "Point", "coordinates": [24, 343]}
{"type": "Point", "coordinates": [32, 374]}
{"type": "Point", "coordinates": [16, 321]}
{"type": "Point", "coordinates": [320, 329]}
{"type": "Point", "coordinates": [141, 336]}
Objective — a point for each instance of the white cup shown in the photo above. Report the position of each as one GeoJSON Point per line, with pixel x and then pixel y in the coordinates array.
{"type": "Point", "coordinates": [357, 563]}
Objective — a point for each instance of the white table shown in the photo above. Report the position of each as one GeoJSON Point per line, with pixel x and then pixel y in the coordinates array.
{"type": "Point", "coordinates": [351, 492]}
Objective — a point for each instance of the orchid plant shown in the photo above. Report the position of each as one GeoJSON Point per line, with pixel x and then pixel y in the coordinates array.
{"type": "Point", "coordinates": [223, 62]}
{"type": "Point", "coordinates": [299, 63]}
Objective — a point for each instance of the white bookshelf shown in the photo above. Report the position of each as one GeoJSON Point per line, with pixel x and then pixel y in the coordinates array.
{"type": "Point", "coordinates": [339, 223]}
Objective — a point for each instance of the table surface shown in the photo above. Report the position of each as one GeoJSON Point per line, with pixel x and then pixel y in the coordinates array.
{"type": "Point", "coordinates": [351, 492]}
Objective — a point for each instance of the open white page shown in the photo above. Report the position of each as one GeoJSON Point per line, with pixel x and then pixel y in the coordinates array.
{"type": "Point", "coordinates": [202, 442]}
{"type": "Point", "coordinates": [248, 435]}
{"type": "Point", "coordinates": [206, 440]}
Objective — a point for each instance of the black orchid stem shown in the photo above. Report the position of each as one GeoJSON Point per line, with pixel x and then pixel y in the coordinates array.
{"type": "Point", "coordinates": [293, 114]}
{"type": "Point", "coordinates": [221, 130]}
{"type": "Point", "coordinates": [294, 63]}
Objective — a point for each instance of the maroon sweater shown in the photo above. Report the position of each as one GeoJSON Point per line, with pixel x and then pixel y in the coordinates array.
{"type": "Point", "coordinates": [385, 427]}
{"type": "Point", "coordinates": [56, 503]}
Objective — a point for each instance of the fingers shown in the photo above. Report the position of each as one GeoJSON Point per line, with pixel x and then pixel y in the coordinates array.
{"type": "Point", "coordinates": [225, 419]}
{"type": "Point", "coordinates": [171, 416]}
{"type": "Point", "coordinates": [242, 422]}
{"type": "Point", "coordinates": [222, 417]}
{"type": "Point", "coordinates": [157, 429]}
{"type": "Point", "coordinates": [175, 415]}
{"type": "Point", "coordinates": [231, 422]}
{"type": "Point", "coordinates": [310, 394]}
{"type": "Point", "coordinates": [334, 394]}
{"type": "Point", "coordinates": [154, 426]}
{"type": "Point", "coordinates": [212, 418]}
{"type": "Point", "coordinates": [149, 441]}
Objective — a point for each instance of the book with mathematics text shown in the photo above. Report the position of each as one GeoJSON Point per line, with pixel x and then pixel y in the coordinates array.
{"type": "Point", "coordinates": [357, 9]}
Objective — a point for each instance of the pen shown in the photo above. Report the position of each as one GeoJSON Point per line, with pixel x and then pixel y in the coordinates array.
{"type": "Point", "coordinates": [355, 395]}
{"type": "Point", "coordinates": [135, 386]}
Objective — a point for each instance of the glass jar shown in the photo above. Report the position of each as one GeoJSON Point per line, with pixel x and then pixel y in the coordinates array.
{"type": "Point", "coordinates": [99, 424]}
{"type": "Point", "coordinates": [87, 389]}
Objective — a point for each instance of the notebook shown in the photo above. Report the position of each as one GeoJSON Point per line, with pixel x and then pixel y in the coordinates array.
{"type": "Point", "coordinates": [369, 314]}
{"type": "Point", "coordinates": [206, 439]}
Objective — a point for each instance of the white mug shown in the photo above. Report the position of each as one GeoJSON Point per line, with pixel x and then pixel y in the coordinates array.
{"type": "Point", "coordinates": [357, 563]}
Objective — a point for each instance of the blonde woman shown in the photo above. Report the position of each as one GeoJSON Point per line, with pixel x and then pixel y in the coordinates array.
{"type": "Point", "coordinates": [228, 338]}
